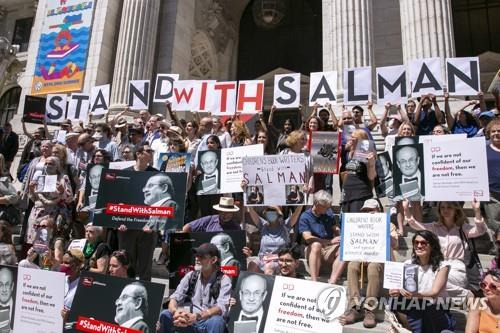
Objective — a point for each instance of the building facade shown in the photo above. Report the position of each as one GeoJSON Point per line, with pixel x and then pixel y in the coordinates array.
{"type": "Point", "coordinates": [246, 39]}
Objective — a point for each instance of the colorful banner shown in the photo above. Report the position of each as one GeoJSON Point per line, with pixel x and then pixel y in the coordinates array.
{"type": "Point", "coordinates": [64, 43]}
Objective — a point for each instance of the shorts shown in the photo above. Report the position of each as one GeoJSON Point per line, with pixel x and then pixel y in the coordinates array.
{"type": "Point", "coordinates": [328, 253]}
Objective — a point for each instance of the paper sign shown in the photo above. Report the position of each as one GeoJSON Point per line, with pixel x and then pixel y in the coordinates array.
{"type": "Point", "coordinates": [174, 162]}
{"type": "Point", "coordinates": [183, 96]}
{"type": "Point", "coordinates": [323, 88]}
{"type": "Point", "coordinates": [426, 77]}
{"type": "Point", "coordinates": [60, 136]}
{"type": "Point", "coordinates": [99, 99]}
{"type": "Point", "coordinates": [225, 98]}
{"type": "Point", "coordinates": [250, 96]}
{"type": "Point", "coordinates": [357, 85]}
{"type": "Point", "coordinates": [232, 168]}
{"type": "Point", "coordinates": [121, 165]}
{"type": "Point", "coordinates": [78, 107]}
{"type": "Point", "coordinates": [77, 244]}
{"type": "Point", "coordinates": [46, 184]}
{"type": "Point", "coordinates": [463, 76]}
{"type": "Point", "coordinates": [287, 90]}
{"type": "Point", "coordinates": [324, 148]}
{"type": "Point", "coordinates": [393, 275]}
{"type": "Point", "coordinates": [164, 87]}
{"type": "Point", "coordinates": [55, 109]}
{"type": "Point", "coordinates": [138, 95]}
{"type": "Point", "coordinates": [391, 85]}
{"type": "Point", "coordinates": [365, 237]}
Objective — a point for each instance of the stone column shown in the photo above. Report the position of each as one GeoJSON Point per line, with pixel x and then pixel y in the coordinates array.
{"type": "Point", "coordinates": [136, 47]}
{"type": "Point", "coordinates": [347, 35]}
{"type": "Point", "coordinates": [426, 29]}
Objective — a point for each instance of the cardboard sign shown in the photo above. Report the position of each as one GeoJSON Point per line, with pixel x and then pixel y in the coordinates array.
{"type": "Point", "coordinates": [174, 162]}
{"type": "Point", "coordinates": [224, 98]}
{"type": "Point", "coordinates": [141, 199]}
{"type": "Point", "coordinates": [120, 165]}
{"type": "Point", "coordinates": [138, 94]}
{"type": "Point", "coordinates": [229, 243]}
{"type": "Point", "coordinates": [183, 96]}
{"type": "Point", "coordinates": [426, 77]}
{"type": "Point", "coordinates": [39, 300]}
{"type": "Point", "coordinates": [232, 167]}
{"type": "Point", "coordinates": [287, 90]}
{"type": "Point", "coordinates": [365, 237]}
{"type": "Point", "coordinates": [391, 85]}
{"type": "Point", "coordinates": [78, 107]}
{"type": "Point", "coordinates": [357, 85]}
{"type": "Point", "coordinates": [99, 99]}
{"type": "Point", "coordinates": [462, 76]}
{"type": "Point", "coordinates": [275, 179]}
{"type": "Point", "coordinates": [164, 87]}
{"type": "Point", "coordinates": [34, 109]}
{"type": "Point", "coordinates": [110, 312]}
{"type": "Point", "coordinates": [92, 181]}
{"type": "Point", "coordinates": [323, 88]}
{"type": "Point", "coordinates": [383, 166]}
{"type": "Point", "coordinates": [408, 171]}
{"type": "Point", "coordinates": [208, 179]}
{"type": "Point", "coordinates": [250, 96]}
{"type": "Point", "coordinates": [324, 148]}
{"type": "Point", "coordinates": [457, 170]}
{"type": "Point", "coordinates": [55, 109]}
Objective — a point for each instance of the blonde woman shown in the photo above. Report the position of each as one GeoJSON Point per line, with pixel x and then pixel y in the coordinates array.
{"type": "Point", "coordinates": [240, 136]}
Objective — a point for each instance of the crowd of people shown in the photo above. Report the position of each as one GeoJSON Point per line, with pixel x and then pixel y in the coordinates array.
{"type": "Point", "coordinates": [50, 221]}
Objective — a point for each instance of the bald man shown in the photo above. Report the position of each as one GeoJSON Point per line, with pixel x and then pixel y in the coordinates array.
{"type": "Point", "coordinates": [253, 292]}
{"type": "Point", "coordinates": [225, 244]}
{"type": "Point", "coordinates": [132, 307]}
{"type": "Point", "coordinates": [6, 301]}
{"type": "Point", "coordinates": [158, 192]}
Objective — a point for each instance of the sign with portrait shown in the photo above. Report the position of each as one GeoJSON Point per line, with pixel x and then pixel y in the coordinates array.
{"type": "Point", "coordinates": [275, 179]}
{"type": "Point", "coordinates": [208, 172]}
{"type": "Point", "coordinates": [232, 168]}
{"type": "Point", "coordinates": [408, 170]}
{"type": "Point", "coordinates": [324, 148]}
{"type": "Point", "coordinates": [34, 109]}
{"type": "Point", "coordinates": [229, 243]}
{"type": "Point", "coordinates": [105, 303]}
{"type": "Point", "coordinates": [174, 162]}
{"type": "Point", "coordinates": [365, 237]}
{"type": "Point", "coordinates": [92, 181]}
{"type": "Point", "coordinates": [383, 166]}
{"type": "Point", "coordinates": [139, 199]}
{"type": "Point", "coordinates": [8, 299]}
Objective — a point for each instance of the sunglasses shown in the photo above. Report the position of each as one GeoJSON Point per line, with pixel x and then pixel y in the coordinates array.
{"type": "Point", "coordinates": [422, 243]}
{"type": "Point", "coordinates": [490, 286]}
{"type": "Point", "coordinates": [40, 226]}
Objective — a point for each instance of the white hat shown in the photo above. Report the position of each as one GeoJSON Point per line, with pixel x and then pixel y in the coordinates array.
{"type": "Point", "coordinates": [226, 204]}
{"type": "Point", "coordinates": [370, 204]}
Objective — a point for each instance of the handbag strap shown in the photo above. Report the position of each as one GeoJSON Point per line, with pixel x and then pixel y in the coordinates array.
{"type": "Point", "coordinates": [472, 249]}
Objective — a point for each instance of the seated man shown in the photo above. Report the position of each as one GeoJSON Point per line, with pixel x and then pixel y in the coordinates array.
{"type": "Point", "coordinates": [289, 261]}
{"type": "Point", "coordinates": [201, 299]}
{"type": "Point", "coordinates": [220, 222]}
{"type": "Point", "coordinates": [375, 273]}
{"type": "Point", "coordinates": [318, 230]}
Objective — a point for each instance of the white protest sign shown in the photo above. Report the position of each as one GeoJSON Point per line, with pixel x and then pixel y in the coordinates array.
{"type": "Point", "coordinates": [204, 96]}
{"type": "Point", "coordinates": [391, 85]}
{"type": "Point", "coordinates": [224, 94]}
{"type": "Point", "coordinates": [456, 170]}
{"type": "Point", "coordinates": [60, 136]}
{"type": "Point", "coordinates": [287, 90]}
{"type": "Point", "coordinates": [99, 99]}
{"type": "Point", "coordinates": [426, 77]}
{"type": "Point", "coordinates": [357, 85]}
{"type": "Point", "coordinates": [77, 244]}
{"type": "Point", "coordinates": [78, 107]}
{"type": "Point", "coordinates": [275, 179]}
{"type": "Point", "coordinates": [232, 168]}
{"type": "Point", "coordinates": [183, 99]}
{"type": "Point", "coordinates": [305, 306]}
{"type": "Point", "coordinates": [323, 88]}
{"type": "Point", "coordinates": [121, 165]}
{"type": "Point", "coordinates": [393, 275]}
{"type": "Point", "coordinates": [55, 108]}
{"type": "Point", "coordinates": [39, 301]}
{"type": "Point", "coordinates": [164, 87]}
{"type": "Point", "coordinates": [250, 96]}
{"type": "Point", "coordinates": [365, 237]}
{"type": "Point", "coordinates": [138, 95]}
{"type": "Point", "coordinates": [462, 76]}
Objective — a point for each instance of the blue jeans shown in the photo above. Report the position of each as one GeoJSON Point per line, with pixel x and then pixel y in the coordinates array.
{"type": "Point", "coordinates": [214, 324]}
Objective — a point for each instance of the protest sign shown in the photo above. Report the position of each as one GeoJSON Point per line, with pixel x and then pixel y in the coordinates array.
{"type": "Point", "coordinates": [391, 85]}
{"type": "Point", "coordinates": [365, 237]}
{"type": "Point", "coordinates": [324, 148]}
{"type": "Point", "coordinates": [272, 179]}
{"type": "Point", "coordinates": [55, 108]}
{"type": "Point", "coordinates": [462, 76]}
{"type": "Point", "coordinates": [39, 300]}
{"type": "Point", "coordinates": [174, 162]}
{"type": "Point", "coordinates": [383, 166]}
{"type": "Point", "coordinates": [99, 99]}
{"type": "Point", "coordinates": [59, 136]}
{"type": "Point", "coordinates": [164, 87]}
{"type": "Point", "coordinates": [77, 244]}
{"type": "Point", "coordinates": [46, 183]}
{"type": "Point", "coordinates": [305, 306]}
{"type": "Point", "coordinates": [100, 305]}
{"type": "Point", "coordinates": [229, 243]}
{"type": "Point", "coordinates": [456, 169]}
{"type": "Point", "coordinates": [363, 150]}
{"type": "Point", "coordinates": [10, 290]}
{"type": "Point", "coordinates": [34, 109]}
{"type": "Point", "coordinates": [426, 77]}
{"type": "Point", "coordinates": [323, 88]}
{"type": "Point", "coordinates": [208, 181]}
{"type": "Point", "coordinates": [92, 181]}
{"type": "Point", "coordinates": [232, 168]}
{"type": "Point", "coordinates": [408, 170]}
{"type": "Point", "coordinates": [78, 107]}
{"type": "Point", "coordinates": [287, 90]}
{"type": "Point", "coordinates": [225, 98]}
{"type": "Point", "coordinates": [253, 294]}
{"type": "Point", "coordinates": [357, 85]}
{"type": "Point", "coordinates": [120, 165]}
{"type": "Point", "coordinates": [393, 275]}
{"type": "Point", "coordinates": [250, 96]}
{"type": "Point", "coordinates": [182, 98]}
{"type": "Point", "coordinates": [495, 83]}
{"type": "Point", "coordinates": [138, 94]}
{"type": "Point", "coordinates": [139, 199]}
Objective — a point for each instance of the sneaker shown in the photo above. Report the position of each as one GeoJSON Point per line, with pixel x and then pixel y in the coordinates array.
{"type": "Point", "coordinates": [369, 321]}
{"type": "Point", "coordinates": [350, 317]}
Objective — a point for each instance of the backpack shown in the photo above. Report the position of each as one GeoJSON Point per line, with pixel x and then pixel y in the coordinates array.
{"type": "Point", "coordinates": [214, 288]}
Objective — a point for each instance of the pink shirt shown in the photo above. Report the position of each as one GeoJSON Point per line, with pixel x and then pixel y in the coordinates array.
{"type": "Point", "coordinates": [450, 241]}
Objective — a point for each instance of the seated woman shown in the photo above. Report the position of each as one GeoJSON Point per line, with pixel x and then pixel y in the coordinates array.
{"type": "Point", "coordinates": [96, 251]}
{"type": "Point", "coordinates": [119, 265]}
{"type": "Point", "coordinates": [432, 276]}
{"type": "Point", "coordinates": [487, 320]}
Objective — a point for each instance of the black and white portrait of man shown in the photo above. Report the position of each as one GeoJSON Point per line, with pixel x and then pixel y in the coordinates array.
{"type": "Point", "coordinates": [158, 191]}
{"type": "Point", "coordinates": [93, 181]}
{"type": "Point", "coordinates": [253, 292]}
{"type": "Point", "coordinates": [7, 298]}
{"type": "Point", "coordinates": [132, 307]}
{"type": "Point", "coordinates": [208, 180]}
{"type": "Point", "coordinates": [225, 244]}
{"type": "Point", "coordinates": [408, 171]}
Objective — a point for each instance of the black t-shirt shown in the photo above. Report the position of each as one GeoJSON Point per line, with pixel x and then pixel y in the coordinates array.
{"type": "Point", "coordinates": [101, 250]}
{"type": "Point", "coordinates": [357, 185]}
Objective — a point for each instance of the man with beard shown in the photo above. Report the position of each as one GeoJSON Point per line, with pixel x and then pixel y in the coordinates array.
{"type": "Point", "coordinates": [132, 306]}
{"type": "Point", "coordinates": [201, 299]}
{"type": "Point", "coordinates": [289, 261]}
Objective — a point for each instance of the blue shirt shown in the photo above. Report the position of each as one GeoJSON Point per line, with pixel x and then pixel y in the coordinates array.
{"type": "Point", "coordinates": [470, 130]}
{"type": "Point", "coordinates": [321, 227]}
{"type": "Point", "coordinates": [212, 223]}
{"type": "Point", "coordinates": [493, 160]}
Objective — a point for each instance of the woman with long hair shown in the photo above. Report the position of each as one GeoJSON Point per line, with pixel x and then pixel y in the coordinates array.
{"type": "Point", "coordinates": [193, 139]}
{"type": "Point", "coordinates": [432, 273]}
{"type": "Point", "coordinates": [452, 229]}
{"type": "Point", "coordinates": [240, 136]}
{"type": "Point", "coordinates": [120, 265]}
{"type": "Point", "coordinates": [219, 130]}
{"type": "Point", "coordinates": [262, 137]}
{"type": "Point", "coordinates": [487, 319]}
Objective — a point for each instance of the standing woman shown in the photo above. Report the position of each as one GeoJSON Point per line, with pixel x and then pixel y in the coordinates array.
{"type": "Point", "coordinates": [192, 140]}
{"type": "Point", "coordinates": [359, 176]}
{"type": "Point", "coordinates": [219, 130]}
{"type": "Point", "coordinates": [263, 138]}
{"type": "Point", "coordinates": [240, 135]}
{"type": "Point", "coordinates": [463, 122]}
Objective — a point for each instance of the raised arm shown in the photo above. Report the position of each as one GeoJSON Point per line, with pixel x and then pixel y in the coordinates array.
{"type": "Point", "coordinates": [335, 121]}
{"type": "Point", "coordinates": [482, 102]}
{"type": "Point", "coordinates": [373, 118]}
{"type": "Point", "coordinates": [403, 113]}
{"type": "Point", "coordinates": [414, 224]}
{"type": "Point", "coordinates": [383, 125]}
{"type": "Point", "coordinates": [418, 110]}
{"type": "Point", "coordinates": [479, 227]}
{"type": "Point", "coordinates": [262, 121]}
{"type": "Point", "coordinates": [450, 121]}
{"type": "Point", "coordinates": [295, 216]}
{"type": "Point", "coordinates": [25, 131]}
{"type": "Point", "coordinates": [437, 110]}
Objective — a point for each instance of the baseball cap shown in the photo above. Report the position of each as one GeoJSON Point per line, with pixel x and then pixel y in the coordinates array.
{"type": "Point", "coordinates": [207, 249]}
{"type": "Point", "coordinates": [370, 204]}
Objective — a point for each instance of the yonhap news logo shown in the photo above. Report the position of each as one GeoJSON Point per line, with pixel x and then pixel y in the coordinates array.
{"type": "Point", "coordinates": [331, 302]}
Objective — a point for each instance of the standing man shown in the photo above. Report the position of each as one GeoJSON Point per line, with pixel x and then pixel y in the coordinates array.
{"type": "Point", "coordinates": [492, 208]}
{"type": "Point", "coordinates": [9, 144]}
{"type": "Point", "coordinates": [102, 136]}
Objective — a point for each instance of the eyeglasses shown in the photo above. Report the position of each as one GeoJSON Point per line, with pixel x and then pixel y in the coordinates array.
{"type": "Point", "coordinates": [420, 243]}
{"type": "Point", "coordinates": [490, 286]}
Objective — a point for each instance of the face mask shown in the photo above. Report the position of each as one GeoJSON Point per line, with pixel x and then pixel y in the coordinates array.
{"type": "Point", "coordinates": [271, 216]}
{"type": "Point", "coordinates": [65, 269]}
